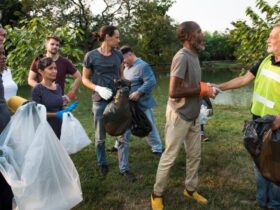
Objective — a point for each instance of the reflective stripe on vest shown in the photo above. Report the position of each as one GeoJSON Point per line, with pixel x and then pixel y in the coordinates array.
{"type": "Point", "coordinates": [263, 100]}
{"type": "Point", "coordinates": [266, 97]}
{"type": "Point", "coordinates": [271, 75]}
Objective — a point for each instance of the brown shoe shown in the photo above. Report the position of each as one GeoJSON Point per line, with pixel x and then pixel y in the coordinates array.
{"type": "Point", "coordinates": [204, 138]}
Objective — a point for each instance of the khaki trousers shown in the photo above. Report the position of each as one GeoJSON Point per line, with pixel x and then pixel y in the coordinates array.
{"type": "Point", "coordinates": [178, 132]}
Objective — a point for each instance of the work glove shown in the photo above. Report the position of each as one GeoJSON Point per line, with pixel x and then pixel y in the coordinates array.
{"type": "Point", "coordinates": [104, 92]}
{"type": "Point", "coordinates": [69, 108]}
{"type": "Point", "coordinates": [206, 90]}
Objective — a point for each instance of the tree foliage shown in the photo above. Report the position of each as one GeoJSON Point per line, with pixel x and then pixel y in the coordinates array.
{"type": "Point", "coordinates": [26, 42]}
{"type": "Point", "coordinates": [143, 24]}
{"type": "Point", "coordinates": [149, 30]}
{"type": "Point", "coordinates": [11, 11]}
{"type": "Point", "coordinates": [218, 46]}
{"type": "Point", "coordinates": [73, 13]}
{"type": "Point", "coordinates": [250, 39]}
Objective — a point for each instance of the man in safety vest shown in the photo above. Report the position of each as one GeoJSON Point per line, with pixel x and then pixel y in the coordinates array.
{"type": "Point", "coordinates": [266, 101]}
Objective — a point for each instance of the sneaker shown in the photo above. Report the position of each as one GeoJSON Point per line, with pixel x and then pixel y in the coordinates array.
{"type": "Point", "coordinates": [199, 198]}
{"type": "Point", "coordinates": [204, 138]}
{"type": "Point", "coordinates": [103, 169]}
{"type": "Point", "coordinates": [129, 176]}
{"type": "Point", "coordinates": [156, 202]}
{"type": "Point", "coordinates": [113, 150]}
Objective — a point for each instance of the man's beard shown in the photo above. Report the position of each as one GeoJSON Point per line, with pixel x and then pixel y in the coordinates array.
{"type": "Point", "coordinates": [53, 52]}
{"type": "Point", "coordinates": [198, 46]}
{"type": "Point", "coordinates": [201, 47]}
{"type": "Point", "coordinates": [269, 50]}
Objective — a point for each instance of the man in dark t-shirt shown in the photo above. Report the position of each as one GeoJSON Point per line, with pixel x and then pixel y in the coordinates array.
{"type": "Point", "coordinates": [64, 67]}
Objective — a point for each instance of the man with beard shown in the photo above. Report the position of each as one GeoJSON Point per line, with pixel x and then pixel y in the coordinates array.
{"type": "Point", "coordinates": [266, 76]}
{"type": "Point", "coordinates": [64, 67]}
{"type": "Point", "coordinates": [182, 125]}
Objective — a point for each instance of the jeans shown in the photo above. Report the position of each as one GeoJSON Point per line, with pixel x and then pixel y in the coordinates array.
{"type": "Point", "coordinates": [268, 194]}
{"type": "Point", "coordinates": [123, 151]}
{"type": "Point", "coordinates": [153, 140]}
{"type": "Point", "coordinates": [100, 133]}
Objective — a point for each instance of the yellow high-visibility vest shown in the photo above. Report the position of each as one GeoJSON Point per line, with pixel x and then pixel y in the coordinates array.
{"type": "Point", "coordinates": [266, 96]}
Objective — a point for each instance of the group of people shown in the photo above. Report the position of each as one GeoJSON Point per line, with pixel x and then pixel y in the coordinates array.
{"type": "Point", "coordinates": [185, 93]}
{"type": "Point", "coordinates": [44, 70]}
{"type": "Point", "coordinates": [104, 65]}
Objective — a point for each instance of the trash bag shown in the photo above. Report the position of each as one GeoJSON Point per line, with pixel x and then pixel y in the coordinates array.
{"type": "Point", "coordinates": [206, 110]}
{"type": "Point", "coordinates": [251, 140]}
{"type": "Point", "coordinates": [207, 102]}
{"type": "Point", "coordinates": [204, 114]}
{"type": "Point", "coordinates": [116, 116]}
{"type": "Point", "coordinates": [35, 164]}
{"type": "Point", "coordinates": [73, 136]}
{"type": "Point", "coordinates": [263, 144]}
{"type": "Point", "coordinates": [140, 125]}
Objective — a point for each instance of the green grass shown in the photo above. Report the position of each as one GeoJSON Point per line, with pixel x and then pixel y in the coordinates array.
{"type": "Point", "coordinates": [226, 172]}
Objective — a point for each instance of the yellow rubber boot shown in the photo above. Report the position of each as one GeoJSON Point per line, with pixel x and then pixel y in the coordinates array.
{"type": "Point", "coordinates": [199, 198]}
{"type": "Point", "coordinates": [156, 203]}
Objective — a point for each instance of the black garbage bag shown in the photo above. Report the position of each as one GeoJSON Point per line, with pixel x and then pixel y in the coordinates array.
{"type": "Point", "coordinates": [251, 140]}
{"type": "Point", "coordinates": [140, 125]}
{"type": "Point", "coordinates": [117, 117]}
{"type": "Point", "coordinates": [263, 144]}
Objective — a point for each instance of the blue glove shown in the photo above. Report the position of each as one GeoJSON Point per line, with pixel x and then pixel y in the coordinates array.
{"type": "Point", "coordinates": [59, 114]}
{"type": "Point", "coordinates": [69, 108]}
{"type": "Point", "coordinates": [72, 106]}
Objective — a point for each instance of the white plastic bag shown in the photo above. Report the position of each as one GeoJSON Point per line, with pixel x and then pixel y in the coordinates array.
{"type": "Point", "coordinates": [10, 87]}
{"type": "Point", "coordinates": [73, 136]}
{"type": "Point", "coordinates": [35, 164]}
{"type": "Point", "coordinates": [204, 114]}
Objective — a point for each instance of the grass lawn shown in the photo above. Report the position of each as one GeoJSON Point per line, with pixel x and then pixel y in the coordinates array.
{"type": "Point", "coordinates": [226, 171]}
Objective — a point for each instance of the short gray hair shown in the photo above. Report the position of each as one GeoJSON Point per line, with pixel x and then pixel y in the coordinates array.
{"type": "Point", "coordinates": [186, 29]}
